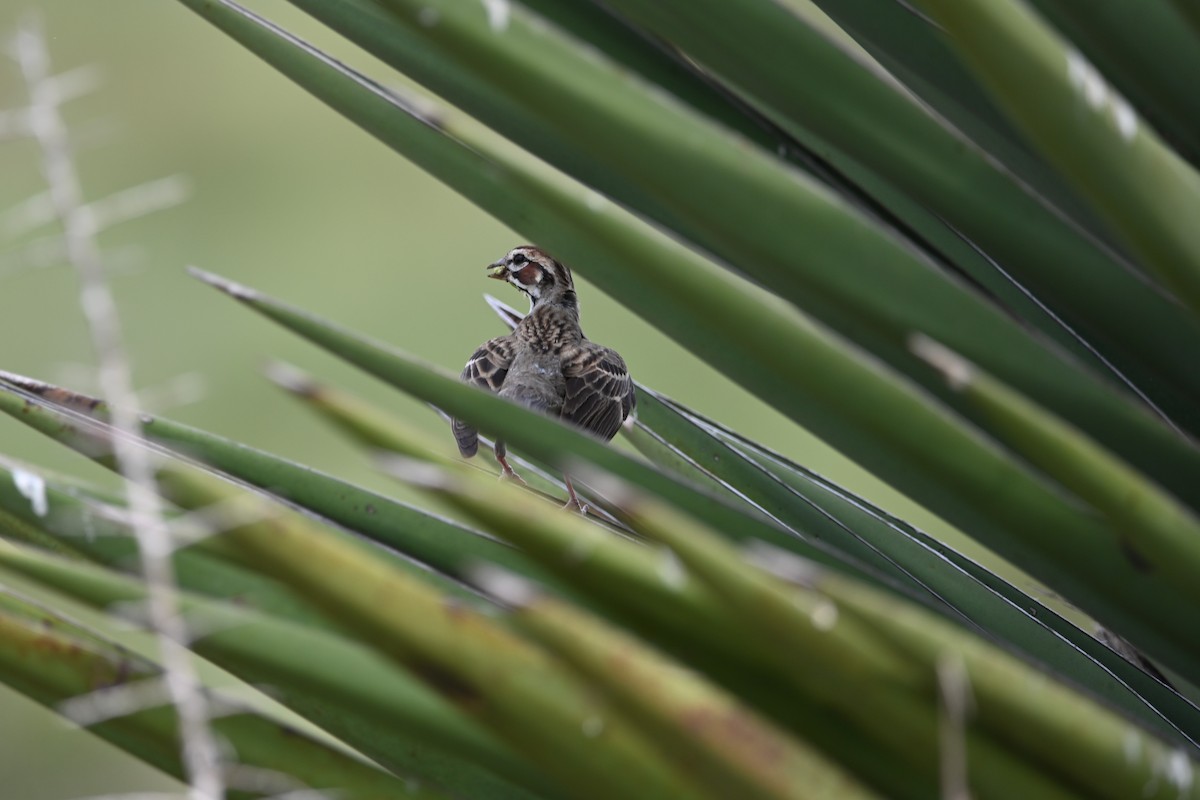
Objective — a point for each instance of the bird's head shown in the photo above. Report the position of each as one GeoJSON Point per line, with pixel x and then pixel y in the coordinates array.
{"type": "Point", "coordinates": [535, 273]}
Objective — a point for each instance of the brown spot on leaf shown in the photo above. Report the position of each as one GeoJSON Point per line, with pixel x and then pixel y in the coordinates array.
{"type": "Point", "coordinates": [1139, 561]}
{"type": "Point", "coordinates": [445, 683]}
{"type": "Point", "coordinates": [737, 729]}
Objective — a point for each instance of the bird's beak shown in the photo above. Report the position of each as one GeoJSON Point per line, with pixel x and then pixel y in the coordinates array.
{"type": "Point", "coordinates": [498, 270]}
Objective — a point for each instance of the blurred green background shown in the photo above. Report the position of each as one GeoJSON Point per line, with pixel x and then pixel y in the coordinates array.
{"type": "Point", "coordinates": [288, 198]}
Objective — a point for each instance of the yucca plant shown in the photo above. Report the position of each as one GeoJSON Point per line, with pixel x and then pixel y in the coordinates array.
{"type": "Point", "coordinates": [959, 242]}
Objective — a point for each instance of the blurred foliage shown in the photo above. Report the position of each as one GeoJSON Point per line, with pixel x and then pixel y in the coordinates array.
{"type": "Point", "coordinates": [845, 198]}
{"type": "Point", "coordinates": [262, 205]}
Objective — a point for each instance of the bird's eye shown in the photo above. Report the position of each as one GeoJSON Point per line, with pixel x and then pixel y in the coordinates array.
{"type": "Point", "coordinates": [518, 258]}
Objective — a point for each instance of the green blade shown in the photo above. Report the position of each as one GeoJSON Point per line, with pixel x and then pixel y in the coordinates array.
{"type": "Point", "coordinates": [999, 496]}
{"type": "Point", "coordinates": [726, 746]}
{"type": "Point", "coordinates": [615, 250]}
{"type": "Point", "coordinates": [984, 600]}
{"type": "Point", "coordinates": [51, 660]}
{"type": "Point", "coordinates": [1148, 51]}
{"type": "Point", "coordinates": [412, 53]}
{"type": "Point", "coordinates": [1072, 653]}
{"type": "Point", "coordinates": [1147, 193]}
{"type": "Point", "coordinates": [348, 690]}
{"type": "Point", "coordinates": [864, 113]}
{"type": "Point", "coordinates": [837, 639]}
{"type": "Point", "coordinates": [437, 542]}
{"type": "Point", "coordinates": [499, 679]}
{"type": "Point", "coordinates": [376, 429]}
{"type": "Point", "coordinates": [80, 527]}
{"type": "Point", "coordinates": [1150, 528]}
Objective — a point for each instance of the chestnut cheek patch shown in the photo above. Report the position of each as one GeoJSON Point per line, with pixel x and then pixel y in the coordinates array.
{"type": "Point", "coordinates": [528, 275]}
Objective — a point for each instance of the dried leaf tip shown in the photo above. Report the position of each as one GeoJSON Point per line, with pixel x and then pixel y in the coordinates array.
{"type": "Point", "coordinates": [21, 381]}
{"type": "Point", "coordinates": [224, 284]}
{"type": "Point", "coordinates": [49, 392]}
{"type": "Point", "coordinates": [506, 588]}
{"type": "Point", "coordinates": [957, 371]}
{"type": "Point", "coordinates": [785, 565]}
{"type": "Point", "coordinates": [290, 379]}
{"type": "Point", "coordinates": [414, 472]}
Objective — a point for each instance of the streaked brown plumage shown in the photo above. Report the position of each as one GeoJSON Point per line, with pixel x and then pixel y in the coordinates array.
{"type": "Point", "coordinates": [547, 363]}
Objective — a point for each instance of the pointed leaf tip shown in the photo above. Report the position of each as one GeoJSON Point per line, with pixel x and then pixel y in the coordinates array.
{"type": "Point", "coordinates": [49, 392]}
{"type": "Point", "coordinates": [290, 379]}
{"type": "Point", "coordinates": [227, 286]}
{"type": "Point", "coordinates": [954, 368]}
{"type": "Point", "coordinates": [502, 585]}
{"type": "Point", "coordinates": [413, 472]}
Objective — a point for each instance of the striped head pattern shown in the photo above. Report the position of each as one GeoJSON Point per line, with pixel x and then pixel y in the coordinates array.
{"type": "Point", "coordinates": [537, 274]}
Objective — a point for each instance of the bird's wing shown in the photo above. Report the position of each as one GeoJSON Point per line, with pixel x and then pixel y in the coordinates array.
{"type": "Point", "coordinates": [487, 368]}
{"type": "Point", "coordinates": [599, 394]}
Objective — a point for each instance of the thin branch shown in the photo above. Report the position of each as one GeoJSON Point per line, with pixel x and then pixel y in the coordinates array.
{"type": "Point", "coordinates": [954, 694]}
{"type": "Point", "coordinates": [127, 204]}
{"type": "Point", "coordinates": [201, 756]}
{"type": "Point", "coordinates": [112, 702]}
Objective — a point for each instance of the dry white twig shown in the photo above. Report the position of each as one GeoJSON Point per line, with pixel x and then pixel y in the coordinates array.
{"type": "Point", "coordinates": [127, 204]}
{"type": "Point", "coordinates": [201, 756]}
{"type": "Point", "coordinates": [111, 702]}
{"type": "Point", "coordinates": [954, 692]}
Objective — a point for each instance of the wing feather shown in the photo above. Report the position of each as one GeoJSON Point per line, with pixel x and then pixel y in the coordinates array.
{"type": "Point", "coordinates": [487, 368]}
{"type": "Point", "coordinates": [599, 392]}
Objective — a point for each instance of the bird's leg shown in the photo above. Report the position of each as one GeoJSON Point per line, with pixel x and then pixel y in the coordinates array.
{"type": "Point", "coordinates": [574, 503]}
{"type": "Point", "coordinates": [508, 473]}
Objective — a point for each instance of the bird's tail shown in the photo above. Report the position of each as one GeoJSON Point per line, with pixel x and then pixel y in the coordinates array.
{"type": "Point", "coordinates": [467, 438]}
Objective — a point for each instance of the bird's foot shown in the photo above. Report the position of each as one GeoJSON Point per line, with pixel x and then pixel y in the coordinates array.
{"type": "Point", "coordinates": [509, 475]}
{"type": "Point", "coordinates": [574, 504]}
{"type": "Point", "coordinates": [507, 471]}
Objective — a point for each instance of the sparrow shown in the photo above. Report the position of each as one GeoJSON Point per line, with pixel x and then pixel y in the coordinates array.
{"type": "Point", "coordinates": [546, 363]}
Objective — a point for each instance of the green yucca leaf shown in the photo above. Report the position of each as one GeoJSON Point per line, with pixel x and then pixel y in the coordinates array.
{"type": "Point", "coordinates": [403, 46]}
{"type": "Point", "coordinates": [810, 221]}
{"type": "Point", "coordinates": [911, 49]}
{"type": "Point", "coordinates": [645, 591]}
{"type": "Point", "coordinates": [51, 660]}
{"type": "Point", "coordinates": [679, 440]}
{"type": "Point", "coordinates": [349, 690]}
{"type": "Point", "coordinates": [971, 592]}
{"type": "Point", "coordinates": [87, 529]}
{"type": "Point", "coordinates": [406, 47]}
{"type": "Point", "coordinates": [16, 529]}
{"type": "Point", "coordinates": [1028, 714]}
{"type": "Point", "coordinates": [1148, 51]}
{"type": "Point", "coordinates": [998, 494]}
{"type": "Point", "coordinates": [625, 257]}
{"type": "Point", "coordinates": [640, 586]}
{"type": "Point", "coordinates": [1149, 700]}
{"type": "Point", "coordinates": [374, 428]}
{"type": "Point", "coordinates": [497, 678]}
{"type": "Point", "coordinates": [1150, 529]}
{"type": "Point", "coordinates": [433, 540]}
{"type": "Point", "coordinates": [889, 686]}
{"type": "Point", "coordinates": [546, 439]}
{"type": "Point", "coordinates": [1148, 194]}
{"type": "Point", "coordinates": [1137, 329]}
{"type": "Point", "coordinates": [1190, 12]}
{"type": "Point", "coordinates": [727, 748]}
